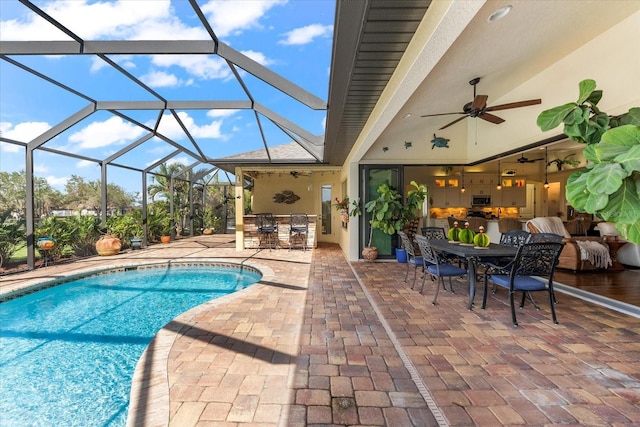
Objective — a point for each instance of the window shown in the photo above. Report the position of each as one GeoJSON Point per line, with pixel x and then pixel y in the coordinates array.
{"type": "Point", "coordinates": [326, 209]}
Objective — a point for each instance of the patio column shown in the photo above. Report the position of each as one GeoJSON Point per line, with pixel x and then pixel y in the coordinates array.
{"type": "Point", "coordinates": [239, 199]}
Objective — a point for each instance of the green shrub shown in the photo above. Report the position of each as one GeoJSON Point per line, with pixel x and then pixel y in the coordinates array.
{"type": "Point", "coordinates": [12, 236]}
{"type": "Point", "coordinates": [126, 226]}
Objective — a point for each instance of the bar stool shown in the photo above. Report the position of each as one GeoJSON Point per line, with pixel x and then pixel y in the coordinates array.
{"type": "Point", "coordinates": [298, 229]}
{"type": "Point", "coordinates": [267, 229]}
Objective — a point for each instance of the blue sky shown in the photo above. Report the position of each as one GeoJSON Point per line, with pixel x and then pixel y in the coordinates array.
{"type": "Point", "coordinates": [292, 38]}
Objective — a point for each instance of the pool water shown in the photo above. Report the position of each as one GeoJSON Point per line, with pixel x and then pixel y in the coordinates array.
{"type": "Point", "coordinates": [68, 352]}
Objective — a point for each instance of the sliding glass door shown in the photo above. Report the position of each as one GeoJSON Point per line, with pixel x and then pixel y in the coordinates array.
{"type": "Point", "coordinates": [372, 177]}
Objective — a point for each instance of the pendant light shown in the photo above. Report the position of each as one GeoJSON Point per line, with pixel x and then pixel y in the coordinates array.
{"type": "Point", "coordinates": [462, 189]}
{"type": "Point", "coordinates": [499, 186]}
{"type": "Point", "coordinates": [546, 166]}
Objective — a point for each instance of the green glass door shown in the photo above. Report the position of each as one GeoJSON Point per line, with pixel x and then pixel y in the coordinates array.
{"type": "Point", "coordinates": [374, 176]}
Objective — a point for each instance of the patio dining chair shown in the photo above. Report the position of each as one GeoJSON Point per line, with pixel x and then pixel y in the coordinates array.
{"type": "Point", "coordinates": [433, 232]}
{"type": "Point", "coordinates": [436, 267]}
{"type": "Point", "coordinates": [412, 257]}
{"type": "Point", "coordinates": [544, 237]}
{"type": "Point", "coordinates": [532, 271]}
{"type": "Point", "coordinates": [514, 238]}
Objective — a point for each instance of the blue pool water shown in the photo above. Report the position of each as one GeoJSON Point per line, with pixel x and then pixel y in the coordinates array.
{"type": "Point", "coordinates": [67, 353]}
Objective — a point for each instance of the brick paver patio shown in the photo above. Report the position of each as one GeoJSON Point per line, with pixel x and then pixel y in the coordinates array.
{"type": "Point", "coordinates": [320, 341]}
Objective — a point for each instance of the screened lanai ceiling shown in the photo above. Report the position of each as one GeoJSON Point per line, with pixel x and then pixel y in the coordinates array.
{"type": "Point", "coordinates": [137, 83]}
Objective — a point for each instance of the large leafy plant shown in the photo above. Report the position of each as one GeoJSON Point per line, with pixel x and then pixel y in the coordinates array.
{"type": "Point", "coordinates": [388, 213]}
{"type": "Point", "coordinates": [610, 185]}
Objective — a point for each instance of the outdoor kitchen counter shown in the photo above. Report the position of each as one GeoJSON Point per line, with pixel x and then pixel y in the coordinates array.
{"type": "Point", "coordinates": [252, 239]}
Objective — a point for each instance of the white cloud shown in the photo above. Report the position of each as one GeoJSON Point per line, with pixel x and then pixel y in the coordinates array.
{"type": "Point", "coordinates": [23, 132]}
{"type": "Point", "coordinates": [90, 20]}
{"type": "Point", "coordinates": [227, 18]}
{"type": "Point", "coordinates": [113, 131]}
{"type": "Point", "coordinates": [41, 168]}
{"type": "Point", "coordinates": [160, 79]}
{"type": "Point", "coordinates": [9, 148]}
{"type": "Point", "coordinates": [258, 57]}
{"type": "Point", "coordinates": [97, 64]}
{"type": "Point", "coordinates": [57, 182]}
{"type": "Point", "coordinates": [85, 164]}
{"type": "Point", "coordinates": [181, 160]}
{"type": "Point", "coordinates": [206, 67]}
{"type": "Point", "coordinates": [145, 20]}
{"type": "Point", "coordinates": [221, 113]}
{"type": "Point", "coordinates": [169, 127]}
{"type": "Point", "coordinates": [305, 35]}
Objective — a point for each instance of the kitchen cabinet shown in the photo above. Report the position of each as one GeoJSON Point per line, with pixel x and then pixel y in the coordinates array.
{"type": "Point", "coordinates": [447, 197]}
{"type": "Point", "coordinates": [514, 193]}
{"type": "Point", "coordinates": [444, 193]}
{"type": "Point", "coordinates": [479, 184]}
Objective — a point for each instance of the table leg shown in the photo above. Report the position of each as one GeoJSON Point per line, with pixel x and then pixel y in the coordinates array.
{"type": "Point", "coordinates": [471, 273]}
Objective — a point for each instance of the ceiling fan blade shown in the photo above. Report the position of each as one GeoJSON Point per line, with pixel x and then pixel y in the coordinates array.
{"type": "Point", "coordinates": [453, 122]}
{"type": "Point", "coordinates": [443, 114]}
{"type": "Point", "coordinates": [491, 118]}
{"type": "Point", "coordinates": [479, 102]}
{"type": "Point", "coordinates": [514, 105]}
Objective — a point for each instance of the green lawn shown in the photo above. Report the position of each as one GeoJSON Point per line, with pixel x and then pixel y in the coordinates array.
{"type": "Point", "coordinates": [20, 255]}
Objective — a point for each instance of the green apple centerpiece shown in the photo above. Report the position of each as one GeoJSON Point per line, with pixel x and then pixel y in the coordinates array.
{"type": "Point", "coordinates": [481, 239]}
{"type": "Point", "coordinates": [454, 233]}
{"type": "Point", "coordinates": [466, 235]}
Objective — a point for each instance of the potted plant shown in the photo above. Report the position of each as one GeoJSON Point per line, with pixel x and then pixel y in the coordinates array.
{"type": "Point", "coordinates": [566, 161]}
{"type": "Point", "coordinates": [389, 215]}
{"type": "Point", "coordinates": [609, 187]}
{"type": "Point", "coordinates": [343, 207]}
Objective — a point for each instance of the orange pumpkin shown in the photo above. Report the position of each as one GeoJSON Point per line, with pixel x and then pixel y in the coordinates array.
{"type": "Point", "coordinates": [108, 245]}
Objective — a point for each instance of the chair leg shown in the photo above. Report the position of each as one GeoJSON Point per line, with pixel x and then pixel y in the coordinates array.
{"type": "Point", "coordinates": [406, 274]}
{"type": "Point", "coordinates": [424, 278]}
{"type": "Point", "coordinates": [484, 294]}
{"type": "Point", "coordinates": [528, 295]}
{"type": "Point", "coordinates": [435, 297]}
{"type": "Point", "coordinates": [553, 309]}
{"type": "Point", "coordinates": [513, 307]}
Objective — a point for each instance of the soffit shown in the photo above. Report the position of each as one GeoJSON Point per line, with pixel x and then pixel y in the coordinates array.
{"type": "Point", "coordinates": [370, 38]}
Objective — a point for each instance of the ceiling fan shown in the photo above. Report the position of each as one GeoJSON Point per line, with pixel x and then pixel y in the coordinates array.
{"type": "Point", "coordinates": [478, 107]}
{"type": "Point", "coordinates": [523, 159]}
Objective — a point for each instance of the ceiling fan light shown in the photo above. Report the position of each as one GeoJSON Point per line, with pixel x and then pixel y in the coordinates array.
{"type": "Point", "coordinates": [500, 13]}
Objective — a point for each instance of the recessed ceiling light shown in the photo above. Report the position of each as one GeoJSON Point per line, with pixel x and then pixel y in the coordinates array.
{"type": "Point", "coordinates": [406, 116]}
{"type": "Point", "coordinates": [500, 13]}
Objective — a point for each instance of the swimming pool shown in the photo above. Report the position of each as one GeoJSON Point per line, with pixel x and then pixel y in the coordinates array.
{"type": "Point", "coordinates": [68, 352]}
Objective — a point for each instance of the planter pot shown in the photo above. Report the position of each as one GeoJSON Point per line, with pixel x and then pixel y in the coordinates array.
{"type": "Point", "coordinates": [370, 253]}
{"type": "Point", "coordinates": [108, 245]}
{"type": "Point", "coordinates": [207, 231]}
{"type": "Point", "coordinates": [136, 243]}
{"type": "Point", "coordinates": [45, 243]}
{"type": "Point", "coordinates": [401, 255]}
{"type": "Point", "coordinates": [165, 239]}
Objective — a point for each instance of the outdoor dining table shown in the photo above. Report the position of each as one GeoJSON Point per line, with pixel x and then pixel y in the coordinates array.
{"type": "Point", "coordinates": [473, 255]}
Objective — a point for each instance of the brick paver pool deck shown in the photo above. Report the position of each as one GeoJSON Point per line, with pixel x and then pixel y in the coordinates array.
{"type": "Point", "coordinates": [321, 341]}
